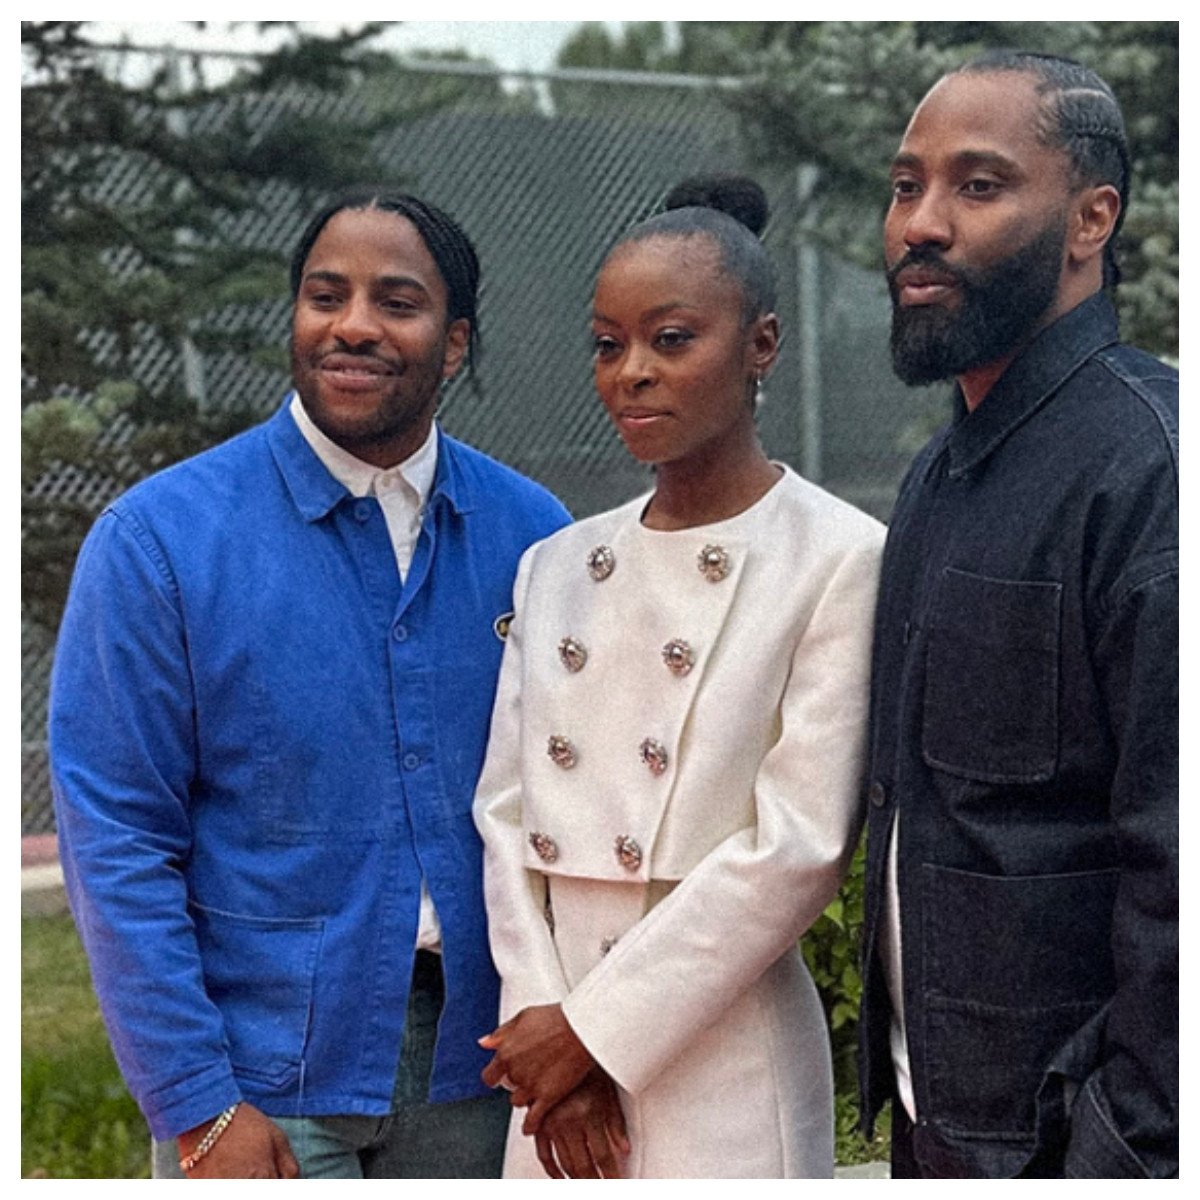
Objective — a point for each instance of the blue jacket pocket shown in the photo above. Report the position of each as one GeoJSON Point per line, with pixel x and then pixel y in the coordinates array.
{"type": "Point", "coordinates": [260, 971]}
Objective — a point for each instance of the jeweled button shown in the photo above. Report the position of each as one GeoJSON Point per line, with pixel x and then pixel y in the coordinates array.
{"type": "Point", "coordinates": [573, 654]}
{"type": "Point", "coordinates": [544, 846]}
{"type": "Point", "coordinates": [713, 563]}
{"type": "Point", "coordinates": [629, 853]}
{"type": "Point", "coordinates": [678, 656]}
{"type": "Point", "coordinates": [654, 754]}
{"type": "Point", "coordinates": [601, 562]}
{"type": "Point", "coordinates": [561, 751]}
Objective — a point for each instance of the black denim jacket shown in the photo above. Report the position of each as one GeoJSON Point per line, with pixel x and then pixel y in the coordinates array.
{"type": "Point", "coordinates": [1025, 724]}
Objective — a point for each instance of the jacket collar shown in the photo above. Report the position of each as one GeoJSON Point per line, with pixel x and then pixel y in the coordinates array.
{"type": "Point", "coordinates": [315, 492]}
{"type": "Point", "coordinates": [1030, 381]}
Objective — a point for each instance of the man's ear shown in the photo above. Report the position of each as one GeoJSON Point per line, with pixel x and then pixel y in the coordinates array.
{"type": "Point", "coordinates": [458, 338]}
{"type": "Point", "coordinates": [1094, 218]}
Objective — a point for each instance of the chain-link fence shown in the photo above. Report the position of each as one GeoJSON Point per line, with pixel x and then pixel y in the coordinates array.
{"type": "Point", "coordinates": [544, 186]}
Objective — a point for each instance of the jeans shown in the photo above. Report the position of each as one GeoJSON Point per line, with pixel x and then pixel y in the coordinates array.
{"type": "Point", "coordinates": [416, 1140]}
{"type": "Point", "coordinates": [904, 1162]}
{"type": "Point", "coordinates": [937, 1162]}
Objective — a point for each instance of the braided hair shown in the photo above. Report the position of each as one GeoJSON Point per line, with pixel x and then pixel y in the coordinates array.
{"type": "Point", "coordinates": [449, 246]}
{"type": "Point", "coordinates": [732, 210]}
{"type": "Point", "coordinates": [1081, 115]}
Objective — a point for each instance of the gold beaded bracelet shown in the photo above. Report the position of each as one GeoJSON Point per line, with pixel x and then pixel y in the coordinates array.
{"type": "Point", "coordinates": [209, 1140]}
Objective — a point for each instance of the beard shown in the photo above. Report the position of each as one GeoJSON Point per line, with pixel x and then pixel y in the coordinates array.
{"type": "Point", "coordinates": [999, 307]}
{"type": "Point", "coordinates": [406, 394]}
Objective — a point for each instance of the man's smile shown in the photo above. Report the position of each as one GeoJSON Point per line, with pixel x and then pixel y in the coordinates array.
{"type": "Point", "coordinates": [354, 372]}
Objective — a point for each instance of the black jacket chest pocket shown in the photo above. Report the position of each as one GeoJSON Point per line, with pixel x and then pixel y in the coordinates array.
{"type": "Point", "coordinates": [991, 681]}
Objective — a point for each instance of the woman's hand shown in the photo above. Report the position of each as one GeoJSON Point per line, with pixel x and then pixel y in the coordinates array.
{"type": "Point", "coordinates": [583, 1136]}
{"type": "Point", "coordinates": [538, 1058]}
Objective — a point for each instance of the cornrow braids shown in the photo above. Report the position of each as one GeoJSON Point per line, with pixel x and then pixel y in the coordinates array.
{"type": "Point", "coordinates": [445, 239]}
{"type": "Point", "coordinates": [1081, 115]}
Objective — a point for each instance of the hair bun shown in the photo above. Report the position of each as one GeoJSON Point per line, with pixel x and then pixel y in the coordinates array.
{"type": "Point", "coordinates": [735, 195]}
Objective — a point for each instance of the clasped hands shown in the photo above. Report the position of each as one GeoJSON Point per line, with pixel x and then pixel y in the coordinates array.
{"type": "Point", "coordinates": [574, 1113]}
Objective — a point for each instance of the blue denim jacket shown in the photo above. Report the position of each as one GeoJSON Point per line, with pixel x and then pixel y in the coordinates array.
{"type": "Point", "coordinates": [260, 741]}
{"type": "Point", "coordinates": [1024, 726]}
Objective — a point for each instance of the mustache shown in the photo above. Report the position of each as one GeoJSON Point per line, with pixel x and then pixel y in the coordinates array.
{"type": "Point", "coordinates": [342, 349]}
{"type": "Point", "coordinates": [928, 256]}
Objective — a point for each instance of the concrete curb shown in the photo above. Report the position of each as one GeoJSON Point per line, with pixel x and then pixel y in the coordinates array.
{"type": "Point", "coordinates": [871, 1170]}
{"type": "Point", "coordinates": [42, 892]}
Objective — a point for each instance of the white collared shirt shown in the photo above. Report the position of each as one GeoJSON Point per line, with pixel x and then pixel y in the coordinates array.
{"type": "Point", "coordinates": [402, 492]}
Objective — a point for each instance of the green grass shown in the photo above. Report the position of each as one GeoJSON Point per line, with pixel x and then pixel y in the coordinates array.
{"type": "Point", "coordinates": [77, 1119]}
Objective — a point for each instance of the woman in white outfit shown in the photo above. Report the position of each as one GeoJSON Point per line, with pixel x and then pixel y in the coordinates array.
{"type": "Point", "coordinates": [671, 793]}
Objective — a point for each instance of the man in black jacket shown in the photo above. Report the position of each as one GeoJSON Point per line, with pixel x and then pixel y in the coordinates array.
{"type": "Point", "coordinates": [1021, 943]}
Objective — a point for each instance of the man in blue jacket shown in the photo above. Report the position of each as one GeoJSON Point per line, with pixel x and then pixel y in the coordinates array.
{"type": "Point", "coordinates": [1020, 996]}
{"type": "Point", "coordinates": [271, 698]}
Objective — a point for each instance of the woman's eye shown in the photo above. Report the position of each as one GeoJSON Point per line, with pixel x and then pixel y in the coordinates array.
{"type": "Point", "coordinates": [602, 346]}
{"type": "Point", "coordinates": [673, 339]}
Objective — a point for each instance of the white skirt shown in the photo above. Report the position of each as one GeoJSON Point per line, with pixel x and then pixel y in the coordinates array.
{"type": "Point", "coordinates": [751, 1097]}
